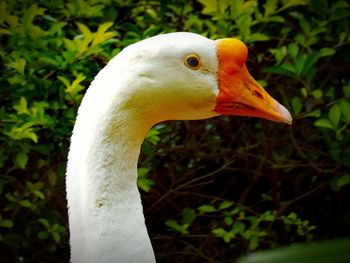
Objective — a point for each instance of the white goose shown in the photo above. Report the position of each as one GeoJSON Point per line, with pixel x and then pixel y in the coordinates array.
{"type": "Point", "coordinates": [177, 76]}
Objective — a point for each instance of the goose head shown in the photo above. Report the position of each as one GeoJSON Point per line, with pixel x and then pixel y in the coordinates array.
{"type": "Point", "coordinates": [177, 76]}
{"type": "Point", "coordinates": [184, 76]}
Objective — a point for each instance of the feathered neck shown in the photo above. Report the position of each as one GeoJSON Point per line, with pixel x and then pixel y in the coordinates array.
{"type": "Point", "coordinates": [105, 212]}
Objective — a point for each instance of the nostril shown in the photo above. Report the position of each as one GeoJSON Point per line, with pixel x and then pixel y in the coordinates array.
{"type": "Point", "coordinates": [258, 94]}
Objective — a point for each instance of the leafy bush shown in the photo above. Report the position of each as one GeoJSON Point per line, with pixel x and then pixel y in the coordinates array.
{"type": "Point", "coordinates": [212, 189]}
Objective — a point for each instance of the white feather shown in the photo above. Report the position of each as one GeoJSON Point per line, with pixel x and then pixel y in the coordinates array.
{"type": "Point", "coordinates": [144, 84]}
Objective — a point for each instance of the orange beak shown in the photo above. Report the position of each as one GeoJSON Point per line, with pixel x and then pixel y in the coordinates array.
{"type": "Point", "coordinates": [239, 93]}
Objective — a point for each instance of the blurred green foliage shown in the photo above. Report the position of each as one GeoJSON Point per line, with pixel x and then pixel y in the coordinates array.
{"type": "Point", "coordinates": [320, 252]}
{"type": "Point", "coordinates": [213, 190]}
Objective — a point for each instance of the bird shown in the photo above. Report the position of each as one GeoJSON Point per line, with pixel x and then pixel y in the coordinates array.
{"type": "Point", "coordinates": [173, 76]}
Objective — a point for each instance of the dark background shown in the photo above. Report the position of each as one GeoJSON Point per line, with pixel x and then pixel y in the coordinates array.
{"type": "Point", "coordinates": [212, 190]}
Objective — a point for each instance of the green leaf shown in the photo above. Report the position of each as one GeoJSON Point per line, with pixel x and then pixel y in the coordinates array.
{"type": "Point", "coordinates": [228, 220]}
{"type": "Point", "coordinates": [29, 15]}
{"type": "Point", "coordinates": [101, 34]}
{"type": "Point", "coordinates": [6, 223]}
{"type": "Point", "coordinates": [253, 243]}
{"type": "Point", "coordinates": [207, 208]}
{"type": "Point", "coordinates": [345, 110]}
{"type": "Point", "coordinates": [39, 194]}
{"type": "Point", "coordinates": [242, 7]}
{"type": "Point", "coordinates": [305, 25]}
{"type": "Point", "coordinates": [339, 5]}
{"type": "Point", "coordinates": [324, 52]}
{"type": "Point", "coordinates": [43, 234]}
{"type": "Point", "coordinates": [257, 37]}
{"type": "Point", "coordinates": [270, 7]}
{"type": "Point", "coordinates": [11, 198]}
{"type": "Point", "coordinates": [299, 38]}
{"type": "Point", "coordinates": [74, 87]}
{"type": "Point", "coordinates": [281, 70]}
{"type": "Point", "coordinates": [213, 6]}
{"type": "Point", "coordinates": [219, 232]}
{"type": "Point", "coordinates": [22, 132]}
{"type": "Point", "coordinates": [334, 251]}
{"type": "Point", "coordinates": [277, 19]}
{"type": "Point", "coordinates": [262, 82]}
{"type": "Point", "coordinates": [309, 62]}
{"type": "Point", "coordinates": [64, 80]}
{"type": "Point", "coordinates": [317, 94]}
{"type": "Point", "coordinates": [3, 11]}
{"type": "Point", "coordinates": [238, 227]}
{"type": "Point", "coordinates": [323, 123]}
{"type": "Point", "coordinates": [4, 31]}
{"type": "Point", "coordinates": [56, 236]}
{"type": "Point", "coordinates": [21, 107]}
{"type": "Point", "coordinates": [268, 216]}
{"type": "Point", "coordinates": [49, 61]}
{"type": "Point", "coordinates": [52, 176]}
{"type": "Point", "coordinates": [30, 135]}
{"type": "Point", "coordinates": [225, 235]}
{"type": "Point", "coordinates": [104, 27]}
{"type": "Point", "coordinates": [334, 115]}
{"type": "Point", "coordinates": [145, 183]}
{"type": "Point", "coordinates": [19, 65]}
{"type": "Point", "coordinates": [297, 105]}
{"type": "Point", "coordinates": [338, 182]}
{"type": "Point", "coordinates": [344, 180]}
{"type": "Point", "coordinates": [254, 222]}
{"type": "Point", "coordinates": [299, 64]}
{"type": "Point", "coordinates": [143, 171]}
{"type": "Point", "coordinates": [44, 222]}
{"type": "Point", "coordinates": [292, 216]}
{"type": "Point", "coordinates": [175, 226]}
{"type": "Point", "coordinates": [279, 54]}
{"type": "Point", "coordinates": [13, 21]}
{"type": "Point", "coordinates": [293, 49]}
{"type": "Point", "coordinates": [188, 215]}
{"type": "Point", "coordinates": [69, 44]}
{"type": "Point", "coordinates": [86, 32]}
{"type": "Point", "coordinates": [346, 89]}
{"type": "Point", "coordinates": [153, 136]}
{"type": "Point", "coordinates": [290, 3]}
{"type": "Point", "coordinates": [152, 30]}
{"type": "Point", "coordinates": [339, 14]}
{"type": "Point", "coordinates": [57, 27]}
{"type": "Point", "coordinates": [225, 204]}
{"type": "Point", "coordinates": [25, 203]}
{"type": "Point", "coordinates": [22, 159]}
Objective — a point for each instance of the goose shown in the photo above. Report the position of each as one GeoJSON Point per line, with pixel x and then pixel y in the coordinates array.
{"type": "Point", "coordinates": [174, 76]}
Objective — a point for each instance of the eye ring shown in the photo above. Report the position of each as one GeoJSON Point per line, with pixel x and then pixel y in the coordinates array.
{"type": "Point", "coordinates": [193, 61]}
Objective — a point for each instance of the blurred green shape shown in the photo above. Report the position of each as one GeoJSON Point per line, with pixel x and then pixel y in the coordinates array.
{"type": "Point", "coordinates": [335, 251]}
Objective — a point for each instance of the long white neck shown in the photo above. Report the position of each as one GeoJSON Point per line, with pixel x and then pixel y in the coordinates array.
{"type": "Point", "coordinates": [105, 212]}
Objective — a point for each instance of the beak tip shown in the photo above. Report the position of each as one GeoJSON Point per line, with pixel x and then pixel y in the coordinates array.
{"type": "Point", "coordinates": [287, 117]}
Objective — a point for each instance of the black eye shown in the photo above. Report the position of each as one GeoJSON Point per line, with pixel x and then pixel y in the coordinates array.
{"type": "Point", "coordinates": [192, 61]}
